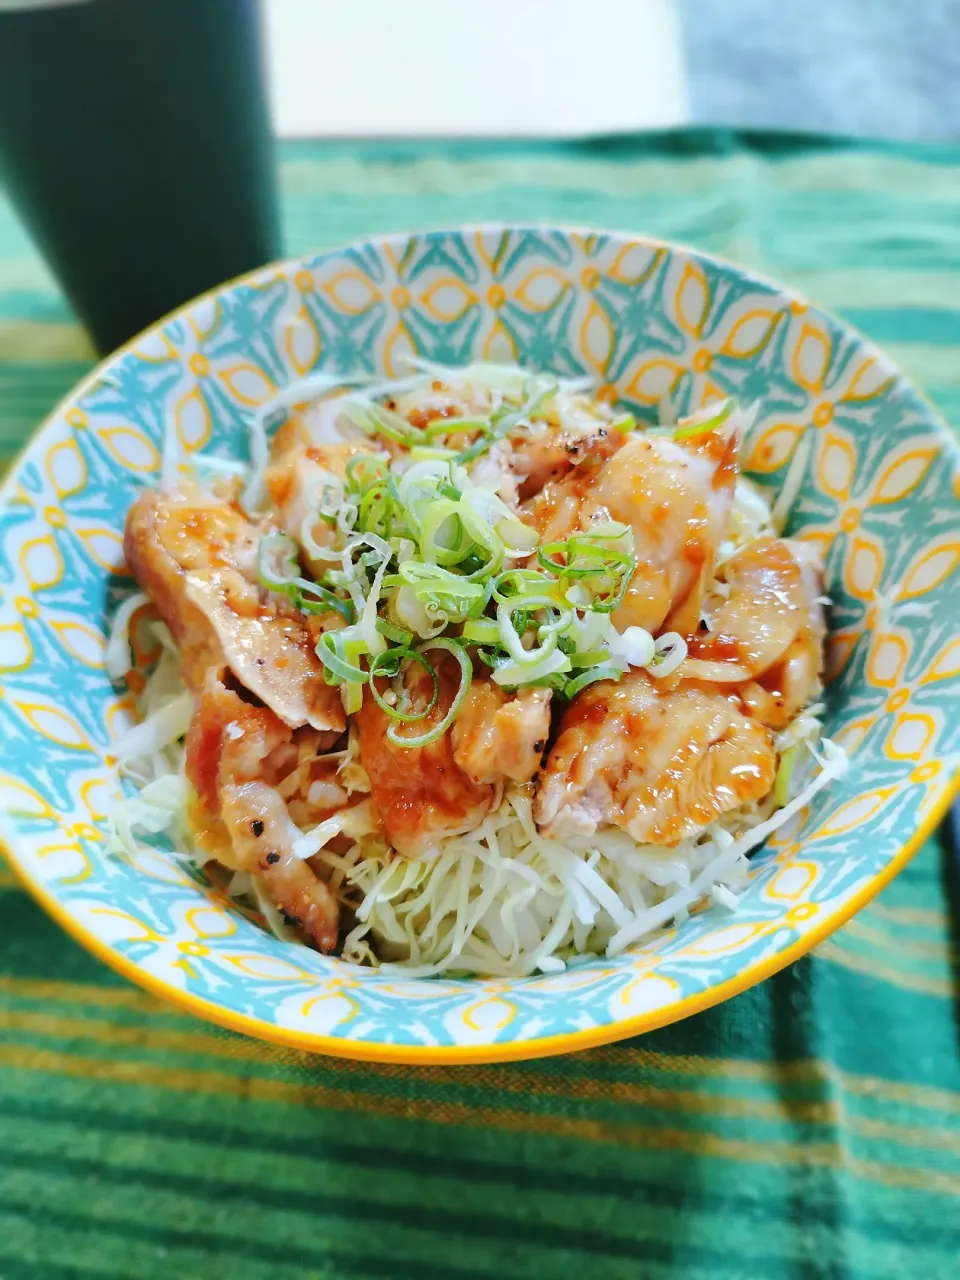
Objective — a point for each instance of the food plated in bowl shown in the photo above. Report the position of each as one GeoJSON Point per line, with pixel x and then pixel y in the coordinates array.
{"type": "Point", "coordinates": [474, 672]}
{"type": "Point", "coordinates": [540, 662]}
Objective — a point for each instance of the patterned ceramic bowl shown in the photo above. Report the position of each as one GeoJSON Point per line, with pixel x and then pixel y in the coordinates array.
{"type": "Point", "coordinates": [880, 498]}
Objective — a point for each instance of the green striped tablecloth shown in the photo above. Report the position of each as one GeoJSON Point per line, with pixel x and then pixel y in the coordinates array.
{"type": "Point", "coordinates": [808, 1128]}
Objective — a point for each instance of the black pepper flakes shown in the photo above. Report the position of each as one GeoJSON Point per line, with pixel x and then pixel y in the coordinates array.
{"type": "Point", "coordinates": [273, 857]}
{"type": "Point", "coordinates": [256, 826]}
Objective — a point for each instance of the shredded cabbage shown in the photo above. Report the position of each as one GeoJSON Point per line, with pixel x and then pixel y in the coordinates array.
{"type": "Point", "coordinates": [116, 658]}
{"type": "Point", "coordinates": [508, 900]}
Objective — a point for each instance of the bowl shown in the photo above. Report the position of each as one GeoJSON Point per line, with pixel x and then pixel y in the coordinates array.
{"type": "Point", "coordinates": [879, 497]}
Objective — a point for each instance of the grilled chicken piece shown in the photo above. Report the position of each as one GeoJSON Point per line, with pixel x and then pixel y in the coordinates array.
{"type": "Point", "coordinates": [262, 835]}
{"type": "Point", "coordinates": [196, 558]}
{"type": "Point", "coordinates": [164, 580]}
{"type": "Point", "coordinates": [538, 460]}
{"type": "Point", "coordinates": [793, 681]}
{"type": "Point", "coordinates": [421, 793]}
{"type": "Point", "coordinates": [660, 765]}
{"type": "Point", "coordinates": [230, 740]}
{"type": "Point", "coordinates": [767, 606]}
{"type": "Point", "coordinates": [676, 498]}
{"type": "Point", "coordinates": [235, 755]}
{"type": "Point", "coordinates": [767, 635]}
{"type": "Point", "coordinates": [498, 736]}
{"type": "Point", "coordinates": [296, 478]}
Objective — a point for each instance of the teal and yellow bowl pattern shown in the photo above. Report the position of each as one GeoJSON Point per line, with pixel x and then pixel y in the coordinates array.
{"type": "Point", "coordinates": [880, 497]}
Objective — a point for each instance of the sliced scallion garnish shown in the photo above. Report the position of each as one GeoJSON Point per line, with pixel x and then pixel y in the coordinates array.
{"type": "Point", "coordinates": [399, 635]}
{"type": "Point", "coordinates": [591, 676]}
{"type": "Point", "coordinates": [311, 597]}
{"type": "Point", "coordinates": [438, 730]}
{"type": "Point", "coordinates": [390, 664]}
{"type": "Point", "coordinates": [781, 783]}
{"type": "Point", "coordinates": [698, 425]}
{"type": "Point", "coordinates": [277, 561]}
{"type": "Point", "coordinates": [332, 652]}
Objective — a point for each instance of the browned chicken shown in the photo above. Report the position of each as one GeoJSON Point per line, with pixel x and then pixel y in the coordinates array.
{"type": "Point", "coordinates": [297, 475]}
{"type": "Point", "coordinates": [236, 753]}
{"type": "Point", "coordinates": [231, 740]}
{"type": "Point", "coordinates": [676, 498]}
{"type": "Point", "coordinates": [421, 793]}
{"type": "Point", "coordinates": [500, 737]}
{"type": "Point", "coordinates": [661, 765]}
{"type": "Point", "coordinates": [262, 835]}
{"type": "Point", "coordinates": [538, 460]}
{"type": "Point", "coordinates": [196, 558]}
{"type": "Point", "coordinates": [767, 635]}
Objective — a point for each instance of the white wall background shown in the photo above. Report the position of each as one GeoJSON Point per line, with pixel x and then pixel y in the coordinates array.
{"type": "Point", "coordinates": [354, 68]}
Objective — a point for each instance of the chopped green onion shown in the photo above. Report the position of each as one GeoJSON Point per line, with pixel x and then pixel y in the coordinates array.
{"type": "Point", "coordinates": [587, 554]}
{"type": "Point", "coordinates": [514, 674]}
{"type": "Point", "coordinates": [456, 426]}
{"type": "Point", "coordinates": [277, 567]}
{"type": "Point", "coordinates": [530, 590]}
{"type": "Point", "coordinates": [432, 453]}
{"type": "Point", "coordinates": [438, 730]}
{"type": "Point", "coordinates": [487, 548]}
{"type": "Point", "coordinates": [351, 694]}
{"type": "Point", "coordinates": [419, 541]}
{"type": "Point", "coordinates": [328, 496]}
{"type": "Point", "coordinates": [695, 425]}
{"type": "Point", "coordinates": [670, 651]}
{"type": "Point", "coordinates": [573, 687]}
{"type": "Point", "coordinates": [331, 650]}
{"type": "Point", "coordinates": [380, 545]}
{"type": "Point", "coordinates": [388, 664]}
{"type": "Point", "coordinates": [611, 601]}
{"type": "Point", "coordinates": [506, 419]}
{"type": "Point", "coordinates": [781, 783]}
{"type": "Point", "coordinates": [438, 589]}
{"type": "Point", "coordinates": [377, 420]}
{"type": "Point", "coordinates": [518, 538]}
{"type": "Point", "coordinates": [399, 635]}
{"type": "Point", "coordinates": [556, 620]}
{"type": "Point", "coordinates": [493, 657]}
{"type": "Point", "coordinates": [592, 658]}
{"type": "Point", "coordinates": [311, 597]}
{"type": "Point", "coordinates": [511, 641]}
{"type": "Point", "coordinates": [347, 517]}
{"type": "Point", "coordinates": [365, 469]}
{"type": "Point", "coordinates": [443, 538]}
{"type": "Point", "coordinates": [310, 545]}
{"type": "Point", "coordinates": [412, 614]}
{"type": "Point", "coordinates": [481, 631]}
{"type": "Point", "coordinates": [546, 553]}
{"type": "Point", "coordinates": [375, 510]}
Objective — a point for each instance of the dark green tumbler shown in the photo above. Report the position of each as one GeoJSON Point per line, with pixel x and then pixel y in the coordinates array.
{"type": "Point", "coordinates": [135, 144]}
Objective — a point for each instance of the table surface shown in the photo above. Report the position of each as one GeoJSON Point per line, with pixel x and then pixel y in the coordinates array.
{"type": "Point", "coordinates": [807, 1128]}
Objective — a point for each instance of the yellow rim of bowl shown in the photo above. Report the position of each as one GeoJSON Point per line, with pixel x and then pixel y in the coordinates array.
{"type": "Point", "coordinates": [509, 1051]}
